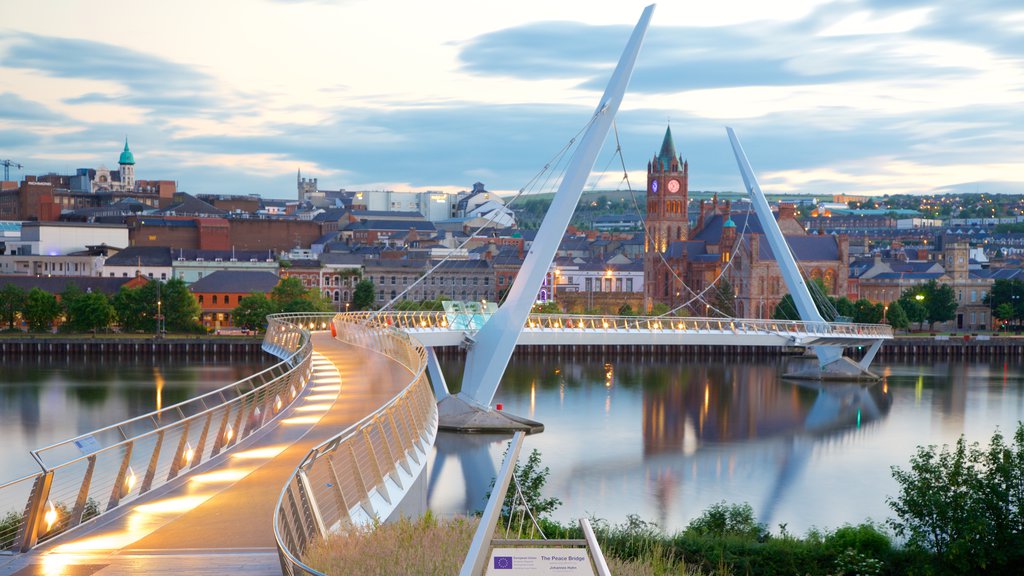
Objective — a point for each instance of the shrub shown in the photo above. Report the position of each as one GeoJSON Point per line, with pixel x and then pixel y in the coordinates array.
{"type": "Point", "coordinates": [728, 520]}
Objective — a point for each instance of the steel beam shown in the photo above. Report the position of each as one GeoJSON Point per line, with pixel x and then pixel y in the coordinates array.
{"type": "Point", "coordinates": [487, 360]}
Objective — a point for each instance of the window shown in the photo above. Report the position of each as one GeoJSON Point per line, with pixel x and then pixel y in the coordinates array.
{"type": "Point", "coordinates": [589, 283]}
{"type": "Point", "coordinates": [163, 275]}
{"type": "Point", "coordinates": [393, 281]}
{"type": "Point", "coordinates": [629, 284]}
{"type": "Point", "coordinates": [214, 298]}
{"type": "Point", "coordinates": [974, 298]}
{"type": "Point", "coordinates": [200, 298]}
{"type": "Point", "coordinates": [381, 282]}
{"type": "Point", "coordinates": [607, 284]}
{"type": "Point", "coordinates": [597, 285]}
{"type": "Point", "coordinates": [487, 281]}
{"type": "Point", "coordinates": [618, 284]}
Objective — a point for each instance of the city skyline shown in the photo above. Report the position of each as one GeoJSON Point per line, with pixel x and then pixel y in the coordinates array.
{"type": "Point", "coordinates": [852, 96]}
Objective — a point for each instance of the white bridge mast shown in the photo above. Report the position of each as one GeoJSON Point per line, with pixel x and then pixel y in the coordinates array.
{"type": "Point", "coordinates": [493, 344]}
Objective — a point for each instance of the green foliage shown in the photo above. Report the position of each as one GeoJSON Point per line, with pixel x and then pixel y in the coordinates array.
{"type": "Point", "coordinates": [180, 307]}
{"type": "Point", "coordinates": [725, 299]}
{"type": "Point", "coordinates": [626, 310]}
{"type": "Point", "coordinates": [136, 308]}
{"type": "Point", "coordinates": [659, 309]}
{"type": "Point", "coordinates": [866, 312]}
{"type": "Point", "coordinates": [965, 505]}
{"type": "Point", "coordinates": [364, 295]}
{"type": "Point", "coordinates": [252, 311]}
{"type": "Point", "coordinates": [41, 310]}
{"type": "Point", "coordinates": [9, 524]}
{"type": "Point", "coordinates": [531, 477]}
{"type": "Point", "coordinates": [291, 296]}
{"type": "Point", "coordinates": [912, 307]}
{"type": "Point", "coordinates": [12, 302]}
{"type": "Point", "coordinates": [549, 307]}
{"type": "Point", "coordinates": [87, 311]}
{"type": "Point", "coordinates": [728, 520]}
{"type": "Point", "coordinates": [897, 317]}
{"type": "Point", "coordinates": [786, 308]}
{"type": "Point", "coordinates": [853, 563]}
{"type": "Point", "coordinates": [1007, 299]}
{"type": "Point", "coordinates": [937, 303]}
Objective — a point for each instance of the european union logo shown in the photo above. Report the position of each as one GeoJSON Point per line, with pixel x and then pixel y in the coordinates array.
{"type": "Point", "coordinates": [502, 562]}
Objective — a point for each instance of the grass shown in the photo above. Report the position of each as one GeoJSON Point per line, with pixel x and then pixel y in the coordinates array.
{"type": "Point", "coordinates": [430, 546]}
{"type": "Point", "coordinates": [426, 546]}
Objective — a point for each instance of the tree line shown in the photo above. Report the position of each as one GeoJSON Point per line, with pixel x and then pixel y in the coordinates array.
{"type": "Point", "coordinates": [931, 302]}
{"type": "Point", "coordinates": [156, 305]}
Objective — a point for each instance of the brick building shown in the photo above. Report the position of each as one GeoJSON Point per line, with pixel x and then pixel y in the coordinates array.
{"type": "Point", "coordinates": [220, 292]}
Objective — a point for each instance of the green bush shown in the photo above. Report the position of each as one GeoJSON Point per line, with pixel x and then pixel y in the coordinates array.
{"type": "Point", "coordinates": [728, 520]}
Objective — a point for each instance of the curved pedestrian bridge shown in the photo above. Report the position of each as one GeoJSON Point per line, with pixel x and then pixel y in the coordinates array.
{"type": "Point", "coordinates": [242, 479]}
{"type": "Point", "coordinates": [216, 515]}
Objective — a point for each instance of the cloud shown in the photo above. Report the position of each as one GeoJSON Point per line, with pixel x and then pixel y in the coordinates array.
{"type": "Point", "coordinates": [147, 81]}
{"type": "Point", "coordinates": [14, 107]}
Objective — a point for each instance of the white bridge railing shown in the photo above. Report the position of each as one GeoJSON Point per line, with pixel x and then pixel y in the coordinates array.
{"type": "Point", "coordinates": [360, 475]}
{"type": "Point", "coordinates": [664, 324]}
{"type": "Point", "coordinates": [85, 477]}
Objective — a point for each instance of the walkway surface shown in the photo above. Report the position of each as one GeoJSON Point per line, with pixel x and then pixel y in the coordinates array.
{"type": "Point", "coordinates": [220, 519]}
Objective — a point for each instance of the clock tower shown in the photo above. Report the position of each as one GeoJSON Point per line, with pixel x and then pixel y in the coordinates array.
{"type": "Point", "coordinates": [667, 222]}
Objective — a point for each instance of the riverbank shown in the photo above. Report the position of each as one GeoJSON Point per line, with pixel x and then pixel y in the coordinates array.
{"type": "Point", "coordinates": [130, 345]}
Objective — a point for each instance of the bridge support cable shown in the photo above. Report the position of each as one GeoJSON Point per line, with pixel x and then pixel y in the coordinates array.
{"type": "Point", "coordinates": [831, 363]}
{"type": "Point", "coordinates": [495, 341]}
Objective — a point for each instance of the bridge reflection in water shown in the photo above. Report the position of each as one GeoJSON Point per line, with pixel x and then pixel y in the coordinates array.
{"type": "Point", "coordinates": [661, 438]}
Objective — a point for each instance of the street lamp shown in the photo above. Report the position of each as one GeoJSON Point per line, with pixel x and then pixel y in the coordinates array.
{"type": "Point", "coordinates": [159, 316]}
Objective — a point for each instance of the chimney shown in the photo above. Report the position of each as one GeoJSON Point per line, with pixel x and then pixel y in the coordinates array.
{"type": "Point", "coordinates": [787, 211]}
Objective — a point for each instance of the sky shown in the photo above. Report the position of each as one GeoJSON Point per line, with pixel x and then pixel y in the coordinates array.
{"type": "Point", "coordinates": [233, 97]}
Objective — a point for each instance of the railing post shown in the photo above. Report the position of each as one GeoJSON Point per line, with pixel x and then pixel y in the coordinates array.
{"type": "Point", "coordinates": [147, 482]}
{"type": "Point", "coordinates": [119, 488]}
{"type": "Point", "coordinates": [309, 501]}
{"type": "Point", "coordinates": [34, 510]}
{"type": "Point", "coordinates": [83, 494]}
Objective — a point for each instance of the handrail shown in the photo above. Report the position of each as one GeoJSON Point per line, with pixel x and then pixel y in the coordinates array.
{"type": "Point", "coordinates": [438, 319]}
{"type": "Point", "coordinates": [176, 439]}
{"type": "Point", "coordinates": [360, 474]}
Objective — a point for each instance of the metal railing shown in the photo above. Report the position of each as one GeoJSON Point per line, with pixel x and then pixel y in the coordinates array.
{"type": "Point", "coordinates": [665, 324]}
{"type": "Point", "coordinates": [87, 476]}
{"type": "Point", "coordinates": [360, 475]}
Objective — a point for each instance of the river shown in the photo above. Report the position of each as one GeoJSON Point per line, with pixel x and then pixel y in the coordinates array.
{"type": "Point", "coordinates": [666, 439]}
{"type": "Point", "coordinates": [658, 438]}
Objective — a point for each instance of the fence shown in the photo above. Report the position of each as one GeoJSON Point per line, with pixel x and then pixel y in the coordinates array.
{"type": "Point", "coordinates": [433, 320]}
{"type": "Point", "coordinates": [85, 477]}
{"type": "Point", "coordinates": [360, 475]}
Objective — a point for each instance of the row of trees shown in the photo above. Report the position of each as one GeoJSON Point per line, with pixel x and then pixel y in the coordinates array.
{"type": "Point", "coordinates": [150, 307]}
{"type": "Point", "coordinates": [289, 296]}
{"type": "Point", "coordinates": [1006, 300]}
{"type": "Point", "coordinates": [134, 309]}
{"type": "Point", "coordinates": [931, 303]}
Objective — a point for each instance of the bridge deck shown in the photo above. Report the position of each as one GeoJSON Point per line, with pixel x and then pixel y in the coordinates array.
{"type": "Point", "coordinates": [220, 521]}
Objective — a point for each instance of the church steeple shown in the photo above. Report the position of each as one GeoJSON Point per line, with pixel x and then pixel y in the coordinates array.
{"type": "Point", "coordinates": [127, 163]}
{"type": "Point", "coordinates": [668, 150]}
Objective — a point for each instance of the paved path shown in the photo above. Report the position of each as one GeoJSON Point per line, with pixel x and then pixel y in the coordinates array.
{"type": "Point", "coordinates": [220, 521]}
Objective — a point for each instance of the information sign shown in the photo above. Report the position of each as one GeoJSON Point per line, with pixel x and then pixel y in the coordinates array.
{"type": "Point", "coordinates": [539, 562]}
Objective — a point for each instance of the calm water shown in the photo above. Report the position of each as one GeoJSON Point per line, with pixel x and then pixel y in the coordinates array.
{"type": "Point", "coordinates": [667, 439]}
{"type": "Point", "coordinates": [43, 400]}
{"type": "Point", "coordinates": [660, 439]}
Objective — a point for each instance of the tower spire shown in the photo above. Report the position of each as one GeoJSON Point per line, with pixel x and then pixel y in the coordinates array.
{"type": "Point", "coordinates": [668, 150]}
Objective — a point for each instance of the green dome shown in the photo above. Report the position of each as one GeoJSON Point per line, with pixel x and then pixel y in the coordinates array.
{"type": "Point", "coordinates": [126, 157]}
{"type": "Point", "coordinates": [729, 224]}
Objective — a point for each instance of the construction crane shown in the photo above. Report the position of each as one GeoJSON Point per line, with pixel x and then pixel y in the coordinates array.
{"type": "Point", "coordinates": [7, 167]}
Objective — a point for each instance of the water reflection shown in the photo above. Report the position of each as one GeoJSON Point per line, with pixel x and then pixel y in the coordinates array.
{"type": "Point", "coordinates": [667, 439]}
{"type": "Point", "coordinates": [46, 399]}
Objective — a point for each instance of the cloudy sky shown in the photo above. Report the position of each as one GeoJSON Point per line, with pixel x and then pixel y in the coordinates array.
{"type": "Point", "coordinates": [828, 96]}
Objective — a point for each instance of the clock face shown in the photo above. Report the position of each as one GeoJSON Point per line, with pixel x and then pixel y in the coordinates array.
{"type": "Point", "coordinates": [654, 186]}
{"type": "Point", "coordinates": [673, 186]}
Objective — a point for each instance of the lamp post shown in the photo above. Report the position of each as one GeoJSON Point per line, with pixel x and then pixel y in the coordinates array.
{"type": "Point", "coordinates": [159, 317]}
{"type": "Point", "coordinates": [920, 300]}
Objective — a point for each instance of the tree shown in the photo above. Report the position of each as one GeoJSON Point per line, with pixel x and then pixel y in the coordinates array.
{"type": "Point", "coordinates": [939, 302]}
{"type": "Point", "coordinates": [549, 307]}
{"type": "Point", "coordinates": [252, 311]}
{"type": "Point", "coordinates": [41, 309]}
{"type": "Point", "coordinates": [896, 317]}
{"type": "Point", "coordinates": [1009, 293]}
{"type": "Point", "coordinates": [291, 296]}
{"type": "Point", "coordinates": [364, 295]}
{"type": "Point", "coordinates": [725, 299]}
{"type": "Point", "coordinates": [659, 309]}
{"type": "Point", "coordinates": [1005, 312]}
{"type": "Point", "coordinates": [866, 312]}
{"type": "Point", "coordinates": [90, 311]}
{"type": "Point", "coordinates": [133, 310]}
{"type": "Point", "coordinates": [786, 308]}
{"type": "Point", "coordinates": [913, 307]}
{"type": "Point", "coordinates": [964, 504]}
{"type": "Point", "coordinates": [180, 307]}
{"type": "Point", "coordinates": [12, 302]}
{"type": "Point", "coordinates": [845, 307]}
{"type": "Point", "coordinates": [626, 310]}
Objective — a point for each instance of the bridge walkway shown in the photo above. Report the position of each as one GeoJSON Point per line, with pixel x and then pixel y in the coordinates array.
{"type": "Point", "coordinates": [220, 520]}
